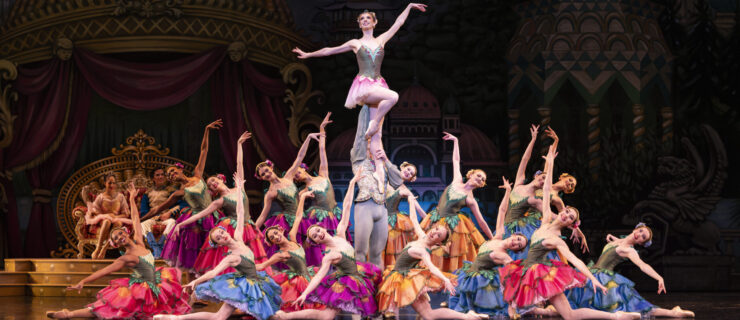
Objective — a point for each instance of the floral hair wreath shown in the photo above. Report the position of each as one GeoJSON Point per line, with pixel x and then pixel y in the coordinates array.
{"type": "Point", "coordinates": [304, 166]}
{"type": "Point", "coordinates": [110, 241]}
{"type": "Point", "coordinates": [267, 162]}
{"type": "Point", "coordinates": [222, 177]}
{"type": "Point", "coordinates": [650, 241]}
{"type": "Point", "coordinates": [210, 241]}
{"type": "Point", "coordinates": [179, 165]}
{"type": "Point", "coordinates": [538, 172]}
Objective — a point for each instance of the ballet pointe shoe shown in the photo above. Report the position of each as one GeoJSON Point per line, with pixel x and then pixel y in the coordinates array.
{"type": "Point", "coordinates": [678, 312]}
{"type": "Point", "coordinates": [372, 128]}
{"type": "Point", "coordinates": [64, 314]}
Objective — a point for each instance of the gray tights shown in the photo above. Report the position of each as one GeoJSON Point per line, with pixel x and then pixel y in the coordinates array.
{"type": "Point", "coordinates": [371, 231]}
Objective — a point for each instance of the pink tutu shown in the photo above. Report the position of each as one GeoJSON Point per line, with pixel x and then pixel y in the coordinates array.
{"type": "Point", "coordinates": [360, 88]}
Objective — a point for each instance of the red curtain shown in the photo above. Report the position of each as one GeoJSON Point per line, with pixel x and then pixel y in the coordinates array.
{"type": "Point", "coordinates": [42, 106]}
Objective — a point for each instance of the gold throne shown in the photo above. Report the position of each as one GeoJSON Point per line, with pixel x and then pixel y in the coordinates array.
{"type": "Point", "coordinates": [130, 162]}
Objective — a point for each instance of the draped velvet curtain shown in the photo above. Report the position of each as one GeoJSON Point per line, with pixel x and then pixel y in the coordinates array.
{"type": "Point", "coordinates": [55, 91]}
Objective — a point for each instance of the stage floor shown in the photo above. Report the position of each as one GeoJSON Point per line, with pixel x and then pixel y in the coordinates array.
{"type": "Point", "coordinates": [713, 306]}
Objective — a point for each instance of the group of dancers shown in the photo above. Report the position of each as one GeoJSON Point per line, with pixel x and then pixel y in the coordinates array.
{"type": "Point", "coordinates": [301, 263]}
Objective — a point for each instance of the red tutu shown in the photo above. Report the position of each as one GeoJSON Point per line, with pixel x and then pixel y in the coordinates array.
{"type": "Point", "coordinates": [127, 298]}
{"type": "Point", "coordinates": [209, 257]}
{"type": "Point", "coordinates": [525, 287]}
{"type": "Point", "coordinates": [293, 286]}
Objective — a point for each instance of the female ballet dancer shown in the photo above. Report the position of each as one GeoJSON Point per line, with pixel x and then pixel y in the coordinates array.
{"type": "Point", "coordinates": [323, 210]}
{"type": "Point", "coordinates": [181, 248]}
{"type": "Point", "coordinates": [406, 283]}
{"type": "Point", "coordinates": [293, 280]}
{"type": "Point", "coordinates": [479, 283]}
{"type": "Point", "coordinates": [537, 279]}
{"type": "Point", "coordinates": [368, 87]}
{"type": "Point", "coordinates": [284, 191]}
{"type": "Point", "coordinates": [148, 291]}
{"type": "Point", "coordinates": [109, 209]}
{"type": "Point", "coordinates": [400, 227]}
{"type": "Point", "coordinates": [246, 289]}
{"type": "Point", "coordinates": [465, 238]}
{"type": "Point", "coordinates": [351, 287]}
{"type": "Point", "coordinates": [210, 256]}
{"type": "Point", "coordinates": [621, 294]}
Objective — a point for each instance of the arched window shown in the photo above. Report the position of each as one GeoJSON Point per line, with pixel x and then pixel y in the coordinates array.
{"type": "Point", "coordinates": [419, 155]}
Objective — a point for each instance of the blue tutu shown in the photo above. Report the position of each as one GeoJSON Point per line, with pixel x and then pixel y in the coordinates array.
{"type": "Point", "coordinates": [259, 298]}
{"type": "Point", "coordinates": [621, 294]}
{"type": "Point", "coordinates": [479, 291]}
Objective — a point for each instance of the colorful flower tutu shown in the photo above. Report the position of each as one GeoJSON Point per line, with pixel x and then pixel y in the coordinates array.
{"type": "Point", "coordinates": [525, 287]}
{"type": "Point", "coordinates": [182, 251]}
{"type": "Point", "coordinates": [479, 291]}
{"type": "Point", "coordinates": [403, 288]}
{"type": "Point", "coordinates": [621, 294]}
{"type": "Point", "coordinates": [293, 285]}
{"type": "Point", "coordinates": [353, 293]}
{"type": "Point", "coordinates": [360, 88]}
{"type": "Point", "coordinates": [260, 298]}
{"type": "Point", "coordinates": [132, 298]}
{"type": "Point", "coordinates": [400, 233]}
{"type": "Point", "coordinates": [327, 220]}
{"type": "Point", "coordinates": [210, 257]}
{"type": "Point", "coordinates": [465, 240]}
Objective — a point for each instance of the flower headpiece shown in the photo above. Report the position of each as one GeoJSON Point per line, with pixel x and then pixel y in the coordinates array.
{"type": "Point", "coordinates": [538, 172]}
{"type": "Point", "coordinates": [210, 241]}
{"type": "Point", "coordinates": [650, 241]}
{"type": "Point", "coordinates": [304, 166]}
{"type": "Point", "coordinates": [222, 177]}
{"type": "Point", "coordinates": [179, 165]}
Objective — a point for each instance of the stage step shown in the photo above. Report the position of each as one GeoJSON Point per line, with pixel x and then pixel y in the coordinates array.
{"type": "Point", "coordinates": [60, 290]}
{"type": "Point", "coordinates": [62, 265]}
{"type": "Point", "coordinates": [13, 277]}
{"type": "Point", "coordinates": [12, 290]}
{"type": "Point", "coordinates": [71, 277]}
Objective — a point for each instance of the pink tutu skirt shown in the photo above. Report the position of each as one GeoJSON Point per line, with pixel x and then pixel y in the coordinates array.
{"type": "Point", "coordinates": [360, 88]}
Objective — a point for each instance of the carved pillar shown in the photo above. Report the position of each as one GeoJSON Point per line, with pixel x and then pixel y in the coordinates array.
{"type": "Point", "coordinates": [666, 113]}
{"type": "Point", "coordinates": [594, 144]}
{"type": "Point", "coordinates": [638, 126]}
{"type": "Point", "coordinates": [514, 145]}
{"type": "Point", "coordinates": [545, 114]}
{"type": "Point", "coordinates": [8, 73]}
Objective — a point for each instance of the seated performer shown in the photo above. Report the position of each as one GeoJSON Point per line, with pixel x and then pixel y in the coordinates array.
{"type": "Point", "coordinates": [246, 289]}
{"type": "Point", "coordinates": [109, 210]}
{"type": "Point", "coordinates": [465, 238]}
{"type": "Point", "coordinates": [293, 280]}
{"type": "Point", "coordinates": [407, 283]}
{"type": "Point", "coordinates": [536, 279]}
{"type": "Point", "coordinates": [148, 291]}
{"type": "Point", "coordinates": [350, 287]}
{"type": "Point", "coordinates": [621, 294]}
{"type": "Point", "coordinates": [153, 198]}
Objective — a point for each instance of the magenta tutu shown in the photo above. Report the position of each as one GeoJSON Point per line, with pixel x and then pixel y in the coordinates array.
{"type": "Point", "coordinates": [182, 251]}
{"type": "Point", "coordinates": [147, 292]}
{"type": "Point", "coordinates": [209, 256]}
{"type": "Point", "coordinates": [350, 288]}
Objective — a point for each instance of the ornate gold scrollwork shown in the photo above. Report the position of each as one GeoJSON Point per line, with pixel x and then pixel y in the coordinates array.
{"type": "Point", "coordinates": [64, 252]}
{"type": "Point", "coordinates": [148, 8]}
{"type": "Point", "coordinates": [8, 73]}
{"type": "Point", "coordinates": [297, 99]}
{"type": "Point", "coordinates": [139, 145]}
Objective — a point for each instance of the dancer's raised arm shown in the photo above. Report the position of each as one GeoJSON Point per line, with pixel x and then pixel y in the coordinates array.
{"type": "Point", "coordinates": [324, 161]}
{"type": "Point", "coordinates": [347, 205]}
{"type": "Point", "coordinates": [547, 187]}
{"type": "Point", "coordinates": [631, 253]}
{"type": "Point", "coordinates": [200, 166]}
{"type": "Point", "coordinates": [456, 174]}
{"type": "Point", "coordinates": [520, 173]}
{"type": "Point", "coordinates": [135, 219]}
{"type": "Point", "coordinates": [240, 209]}
{"type": "Point", "coordinates": [473, 205]}
{"type": "Point", "coordinates": [240, 154]}
{"type": "Point", "coordinates": [299, 158]}
{"type": "Point", "coordinates": [400, 20]}
{"type": "Point", "coordinates": [502, 209]}
{"type": "Point", "coordinates": [292, 235]}
{"type": "Point", "coordinates": [412, 215]}
{"type": "Point", "coordinates": [328, 51]}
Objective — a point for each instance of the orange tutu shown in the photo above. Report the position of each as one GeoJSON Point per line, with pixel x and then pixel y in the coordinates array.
{"type": "Point", "coordinates": [464, 241]}
{"type": "Point", "coordinates": [400, 233]}
{"type": "Point", "coordinates": [400, 289]}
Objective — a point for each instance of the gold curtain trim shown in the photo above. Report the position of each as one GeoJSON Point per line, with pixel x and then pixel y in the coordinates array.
{"type": "Point", "coordinates": [55, 144]}
{"type": "Point", "coordinates": [41, 195]}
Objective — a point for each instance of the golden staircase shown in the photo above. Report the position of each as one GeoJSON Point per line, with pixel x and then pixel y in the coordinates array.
{"type": "Point", "coordinates": [51, 277]}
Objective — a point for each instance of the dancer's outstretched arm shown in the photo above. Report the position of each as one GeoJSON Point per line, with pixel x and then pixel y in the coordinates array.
{"type": "Point", "coordinates": [266, 205]}
{"type": "Point", "coordinates": [328, 51]}
{"type": "Point", "coordinates": [228, 261]}
{"type": "Point", "coordinates": [323, 270]}
{"type": "Point", "coordinates": [240, 209]}
{"type": "Point", "coordinates": [400, 20]}
{"type": "Point", "coordinates": [473, 205]}
{"type": "Point", "coordinates": [456, 174]}
{"type": "Point", "coordinates": [324, 161]}
{"type": "Point", "coordinates": [240, 154]}
{"type": "Point", "coordinates": [631, 253]}
{"type": "Point", "coordinates": [412, 215]}
{"type": "Point", "coordinates": [135, 219]}
{"type": "Point", "coordinates": [424, 256]}
{"type": "Point", "coordinates": [200, 166]}
{"type": "Point", "coordinates": [171, 201]}
{"type": "Point", "coordinates": [292, 235]}
{"type": "Point", "coordinates": [347, 205]}
{"type": "Point", "coordinates": [502, 209]}
{"type": "Point", "coordinates": [213, 206]}
{"type": "Point", "coordinates": [419, 210]}
{"type": "Point", "coordinates": [299, 158]}
{"type": "Point", "coordinates": [547, 187]}
{"type": "Point", "coordinates": [563, 249]}
{"type": "Point", "coordinates": [520, 173]}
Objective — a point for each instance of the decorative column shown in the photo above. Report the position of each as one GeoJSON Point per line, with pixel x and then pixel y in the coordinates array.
{"type": "Point", "coordinates": [666, 113]}
{"type": "Point", "coordinates": [545, 114]}
{"type": "Point", "coordinates": [8, 73]}
{"type": "Point", "coordinates": [638, 126]}
{"type": "Point", "coordinates": [594, 144]}
{"type": "Point", "coordinates": [514, 145]}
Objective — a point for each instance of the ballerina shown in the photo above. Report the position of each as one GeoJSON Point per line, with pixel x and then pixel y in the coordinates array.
{"type": "Point", "coordinates": [324, 210]}
{"type": "Point", "coordinates": [351, 287]}
{"type": "Point", "coordinates": [622, 295]}
{"type": "Point", "coordinates": [465, 238]}
{"type": "Point", "coordinates": [400, 227]}
{"type": "Point", "coordinates": [148, 291]}
{"type": "Point", "coordinates": [293, 280]}
{"type": "Point", "coordinates": [181, 251]}
{"type": "Point", "coordinates": [226, 203]}
{"type": "Point", "coordinates": [537, 279]}
{"type": "Point", "coordinates": [368, 87]}
{"type": "Point", "coordinates": [284, 191]}
{"type": "Point", "coordinates": [246, 289]}
{"type": "Point", "coordinates": [406, 283]}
